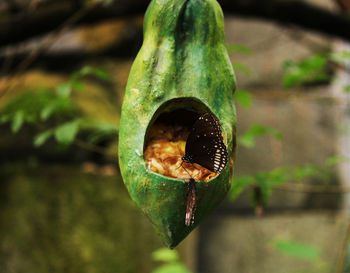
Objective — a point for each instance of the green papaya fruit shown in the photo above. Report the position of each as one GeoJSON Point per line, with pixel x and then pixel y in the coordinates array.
{"type": "Point", "coordinates": [182, 65]}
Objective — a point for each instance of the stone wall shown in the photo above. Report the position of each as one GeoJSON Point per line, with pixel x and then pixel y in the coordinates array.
{"type": "Point", "coordinates": [233, 239]}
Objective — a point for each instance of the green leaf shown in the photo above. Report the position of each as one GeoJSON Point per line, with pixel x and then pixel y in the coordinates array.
{"type": "Point", "coordinates": [346, 88]}
{"type": "Point", "coordinates": [165, 255]}
{"type": "Point", "coordinates": [101, 74]}
{"type": "Point", "coordinates": [240, 67]}
{"type": "Point", "coordinates": [89, 70]}
{"type": "Point", "coordinates": [77, 85]}
{"type": "Point", "coordinates": [340, 56]}
{"type": "Point", "coordinates": [172, 268]}
{"type": "Point", "coordinates": [275, 133]}
{"type": "Point", "coordinates": [334, 160]}
{"type": "Point", "coordinates": [42, 138]}
{"type": "Point", "coordinates": [103, 131]}
{"type": "Point", "coordinates": [301, 173]}
{"type": "Point", "coordinates": [273, 177]}
{"type": "Point", "coordinates": [314, 62]}
{"type": "Point", "coordinates": [4, 118]}
{"type": "Point", "coordinates": [100, 130]}
{"type": "Point", "coordinates": [306, 71]}
{"type": "Point", "coordinates": [237, 48]}
{"type": "Point", "coordinates": [248, 138]}
{"type": "Point", "coordinates": [64, 89]}
{"type": "Point", "coordinates": [57, 106]}
{"type": "Point", "coordinates": [66, 133]}
{"type": "Point", "coordinates": [17, 121]}
{"type": "Point", "coordinates": [33, 107]}
{"type": "Point", "coordinates": [268, 180]}
{"type": "Point", "coordinates": [239, 184]}
{"type": "Point", "coordinates": [47, 111]}
{"type": "Point", "coordinates": [243, 97]}
{"type": "Point", "coordinates": [297, 250]}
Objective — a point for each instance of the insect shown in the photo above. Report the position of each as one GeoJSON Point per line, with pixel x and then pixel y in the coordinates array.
{"type": "Point", "coordinates": [205, 145]}
{"type": "Point", "coordinates": [191, 202]}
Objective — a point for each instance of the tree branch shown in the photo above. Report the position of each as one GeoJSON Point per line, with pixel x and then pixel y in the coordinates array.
{"type": "Point", "coordinates": [45, 18]}
{"type": "Point", "coordinates": [295, 13]}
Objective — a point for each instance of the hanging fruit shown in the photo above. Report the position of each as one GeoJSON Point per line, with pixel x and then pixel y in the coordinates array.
{"type": "Point", "coordinates": [177, 132]}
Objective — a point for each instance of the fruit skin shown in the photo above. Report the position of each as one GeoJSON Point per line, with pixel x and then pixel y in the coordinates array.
{"type": "Point", "coordinates": [183, 63]}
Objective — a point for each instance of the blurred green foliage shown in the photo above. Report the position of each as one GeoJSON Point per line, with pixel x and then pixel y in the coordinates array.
{"type": "Point", "coordinates": [339, 57]}
{"type": "Point", "coordinates": [35, 107]}
{"type": "Point", "coordinates": [55, 108]}
{"type": "Point", "coordinates": [307, 71]}
{"type": "Point", "coordinates": [171, 261]}
{"type": "Point", "coordinates": [248, 138]}
{"type": "Point", "coordinates": [241, 67]}
{"type": "Point", "coordinates": [266, 181]}
{"type": "Point", "coordinates": [334, 160]}
{"type": "Point", "coordinates": [309, 256]}
{"type": "Point", "coordinates": [314, 69]}
{"type": "Point", "coordinates": [243, 97]}
{"type": "Point", "coordinates": [297, 249]}
{"type": "Point", "coordinates": [239, 48]}
{"type": "Point", "coordinates": [311, 70]}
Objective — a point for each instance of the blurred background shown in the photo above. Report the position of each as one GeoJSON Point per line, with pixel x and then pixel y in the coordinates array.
{"type": "Point", "coordinates": [63, 206]}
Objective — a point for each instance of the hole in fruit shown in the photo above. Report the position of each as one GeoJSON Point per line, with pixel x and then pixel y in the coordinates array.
{"type": "Point", "coordinates": [166, 137]}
